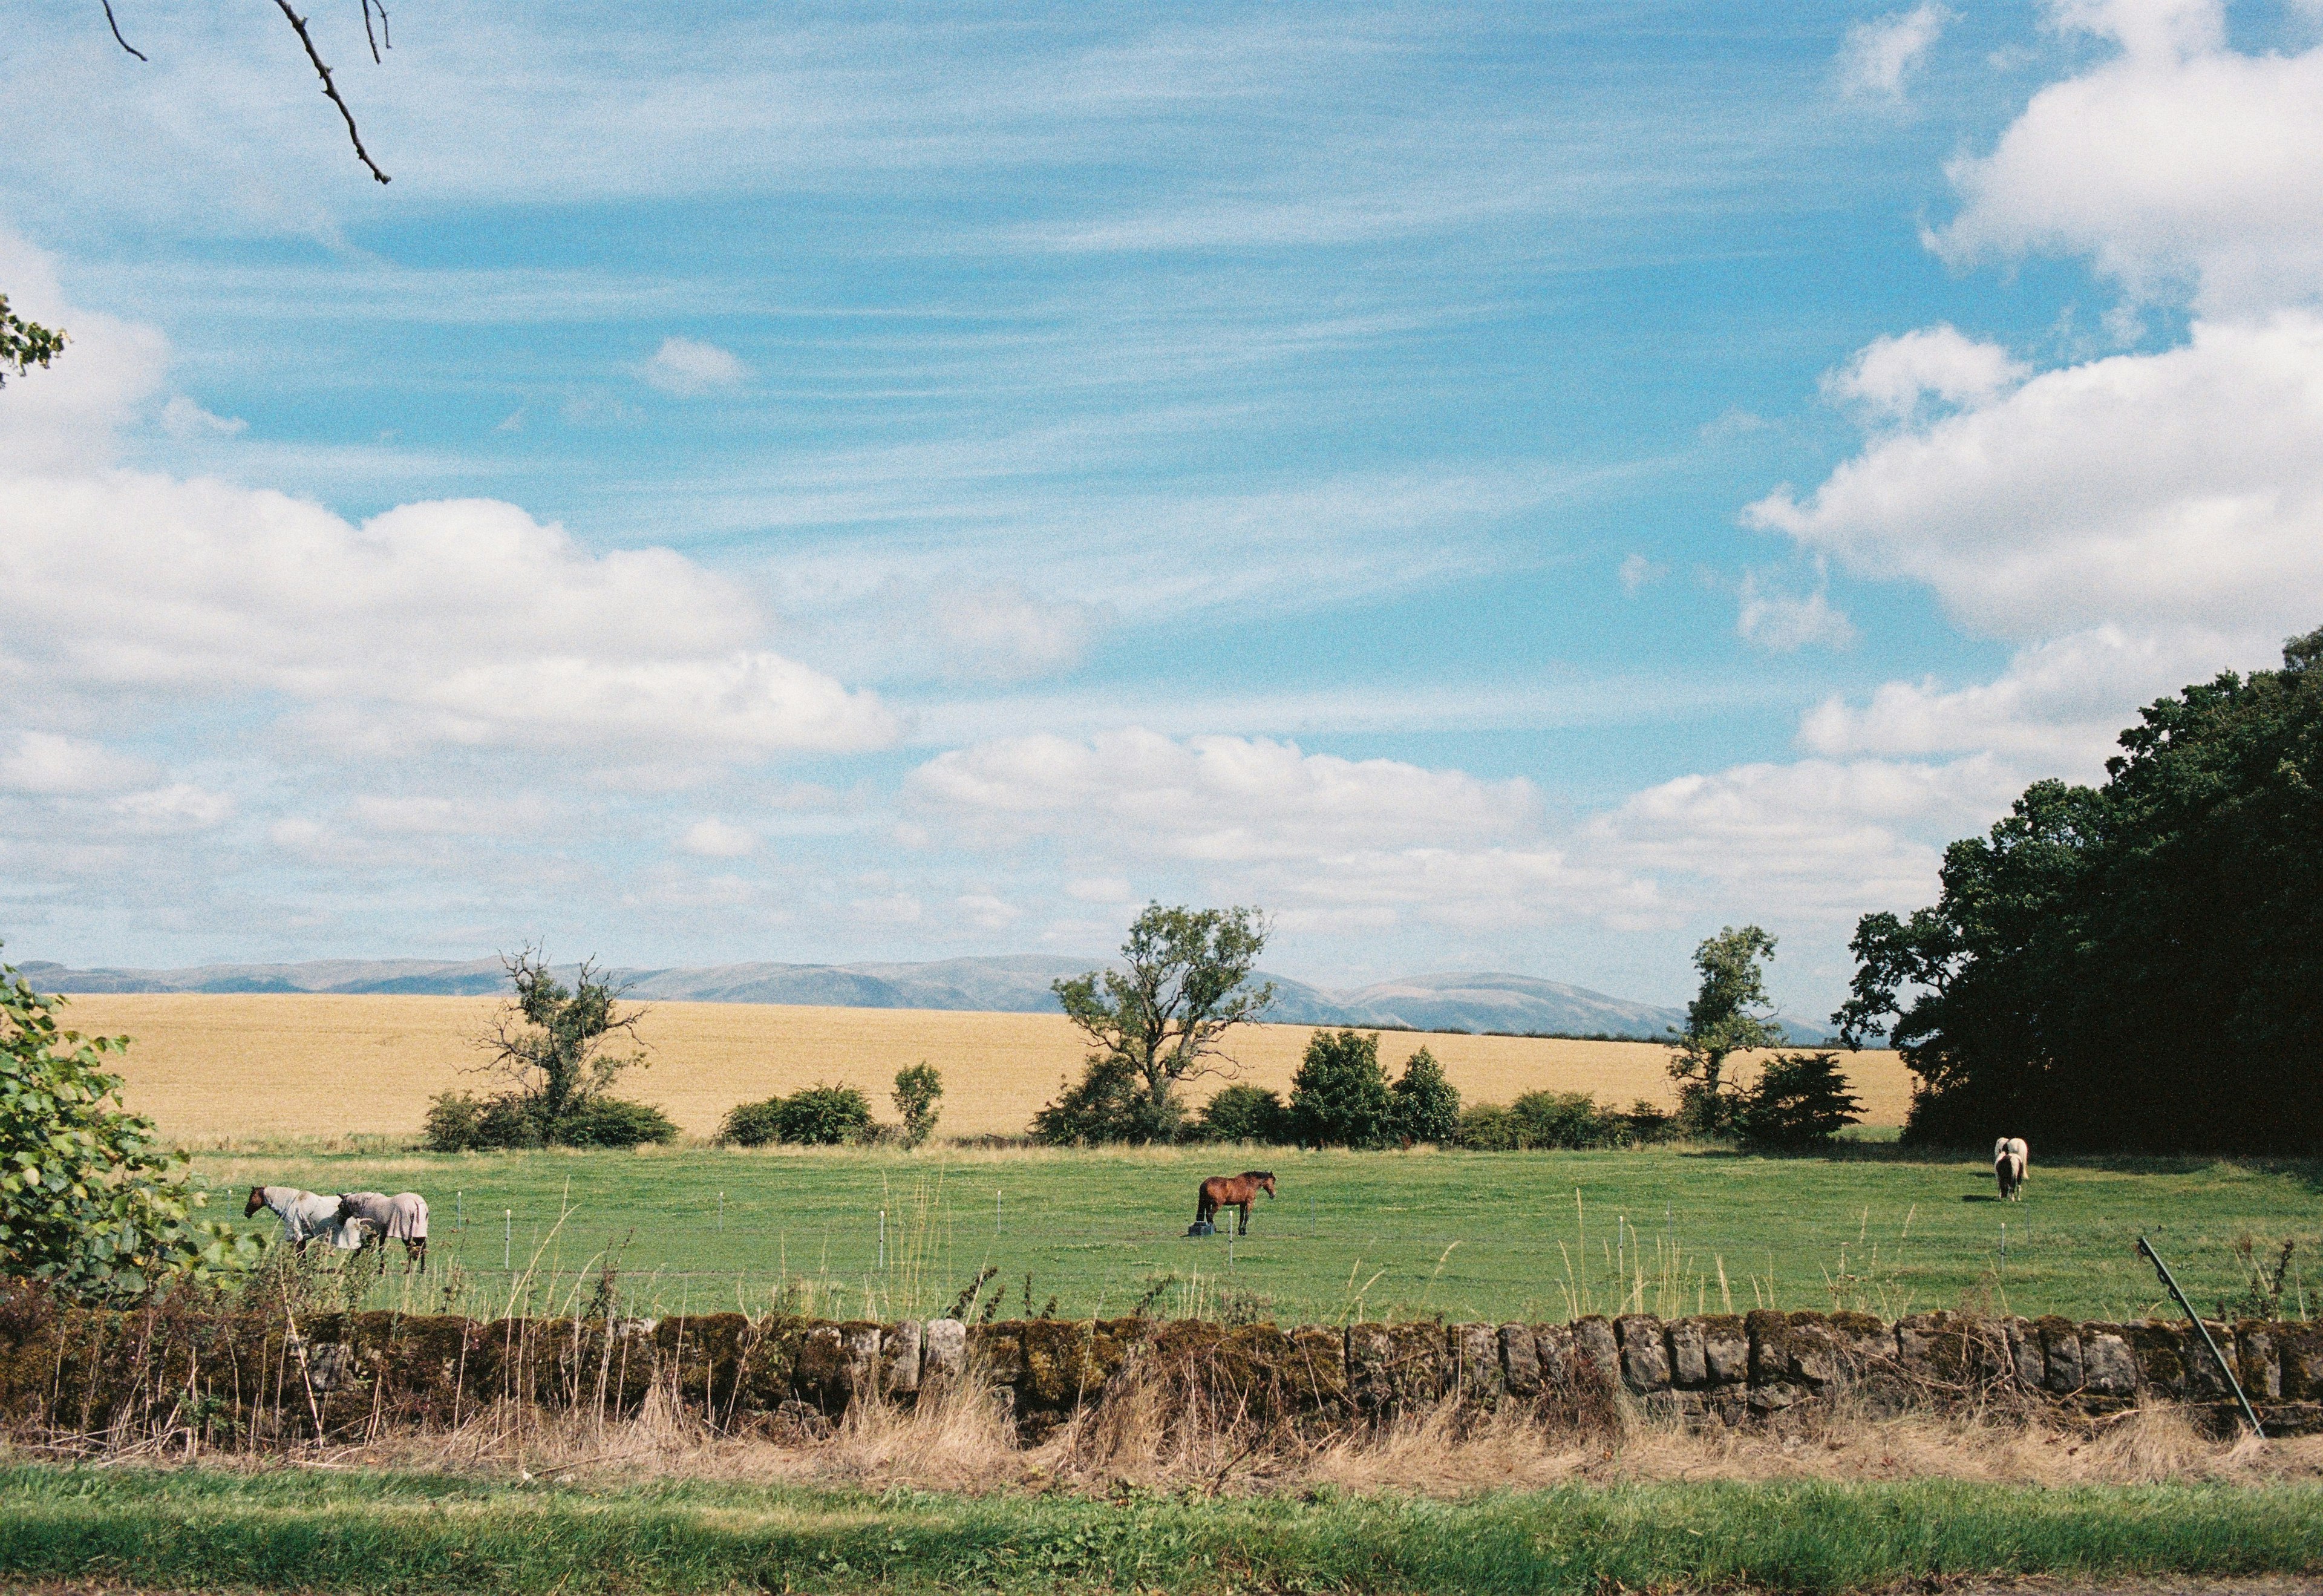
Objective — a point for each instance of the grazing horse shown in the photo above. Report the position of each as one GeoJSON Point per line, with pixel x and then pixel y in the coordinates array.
{"type": "Point", "coordinates": [378, 1217]}
{"type": "Point", "coordinates": [1233, 1191]}
{"type": "Point", "coordinates": [2009, 1157]}
{"type": "Point", "coordinates": [305, 1214]}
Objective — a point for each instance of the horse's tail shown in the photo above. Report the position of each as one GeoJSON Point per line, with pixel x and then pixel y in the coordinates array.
{"type": "Point", "coordinates": [1205, 1204]}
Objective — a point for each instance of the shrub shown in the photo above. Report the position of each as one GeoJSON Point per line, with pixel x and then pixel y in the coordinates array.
{"type": "Point", "coordinates": [1103, 1107]}
{"type": "Point", "coordinates": [1647, 1122]}
{"type": "Point", "coordinates": [825, 1117]}
{"type": "Point", "coordinates": [1426, 1105]}
{"type": "Point", "coordinates": [614, 1122]}
{"type": "Point", "coordinates": [753, 1124]}
{"type": "Point", "coordinates": [1244, 1112]}
{"type": "Point", "coordinates": [458, 1122]}
{"type": "Point", "coordinates": [1339, 1097]}
{"type": "Point", "coordinates": [89, 1197]}
{"type": "Point", "coordinates": [918, 1091]}
{"type": "Point", "coordinates": [1542, 1119]}
{"type": "Point", "coordinates": [1799, 1100]}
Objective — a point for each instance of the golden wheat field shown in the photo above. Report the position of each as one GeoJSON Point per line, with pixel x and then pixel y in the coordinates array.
{"type": "Point", "coordinates": [211, 1068]}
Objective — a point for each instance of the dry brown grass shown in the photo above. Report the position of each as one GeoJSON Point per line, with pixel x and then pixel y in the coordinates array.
{"type": "Point", "coordinates": [1153, 1436]}
{"type": "Point", "coordinates": [211, 1068]}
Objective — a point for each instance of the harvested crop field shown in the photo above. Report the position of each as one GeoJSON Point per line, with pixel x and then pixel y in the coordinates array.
{"type": "Point", "coordinates": [211, 1068]}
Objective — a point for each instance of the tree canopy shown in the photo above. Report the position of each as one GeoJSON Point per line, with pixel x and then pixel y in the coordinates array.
{"type": "Point", "coordinates": [2138, 964]}
{"type": "Point", "coordinates": [90, 1198]}
{"type": "Point", "coordinates": [1723, 1018]}
{"type": "Point", "coordinates": [1158, 1018]}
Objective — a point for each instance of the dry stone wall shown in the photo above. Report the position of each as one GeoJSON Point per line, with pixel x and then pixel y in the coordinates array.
{"type": "Point", "coordinates": [255, 1375]}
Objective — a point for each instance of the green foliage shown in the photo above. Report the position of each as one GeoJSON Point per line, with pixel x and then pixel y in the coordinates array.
{"type": "Point", "coordinates": [814, 1117]}
{"type": "Point", "coordinates": [25, 344]}
{"type": "Point", "coordinates": [825, 1117]}
{"type": "Point", "coordinates": [2133, 966]}
{"type": "Point", "coordinates": [380, 1532]}
{"type": "Point", "coordinates": [89, 1198]}
{"type": "Point", "coordinates": [918, 1089]}
{"type": "Point", "coordinates": [1105, 1106]}
{"type": "Point", "coordinates": [460, 1121]}
{"type": "Point", "coordinates": [1340, 1097]}
{"type": "Point", "coordinates": [753, 1124]}
{"type": "Point", "coordinates": [1182, 983]}
{"type": "Point", "coordinates": [1572, 1121]}
{"type": "Point", "coordinates": [551, 1044]}
{"type": "Point", "coordinates": [1541, 1119]}
{"type": "Point", "coordinates": [1426, 1106]}
{"type": "Point", "coordinates": [1723, 1018]}
{"type": "Point", "coordinates": [614, 1122]}
{"type": "Point", "coordinates": [1799, 1100]}
{"type": "Point", "coordinates": [1245, 1112]}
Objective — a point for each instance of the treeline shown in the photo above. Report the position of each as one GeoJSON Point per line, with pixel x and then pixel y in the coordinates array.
{"type": "Point", "coordinates": [2135, 966]}
{"type": "Point", "coordinates": [1342, 1097]}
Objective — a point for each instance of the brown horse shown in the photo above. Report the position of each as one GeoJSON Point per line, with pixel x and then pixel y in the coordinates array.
{"type": "Point", "coordinates": [1233, 1191]}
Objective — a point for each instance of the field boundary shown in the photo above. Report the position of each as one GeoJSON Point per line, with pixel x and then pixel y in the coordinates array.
{"type": "Point", "coordinates": [262, 1375]}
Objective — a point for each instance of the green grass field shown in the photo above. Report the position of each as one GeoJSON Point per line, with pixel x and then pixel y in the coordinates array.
{"type": "Point", "coordinates": [1473, 1237]}
{"type": "Point", "coordinates": [289, 1530]}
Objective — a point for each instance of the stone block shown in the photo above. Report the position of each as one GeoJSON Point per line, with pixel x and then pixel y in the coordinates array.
{"type": "Point", "coordinates": [1725, 1348]}
{"type": "Point", "coordinates": [2298, 1356]}
{"type": "Point", "coordinates": [1519, 1360]}
{"type": "Point", "coordinates": [2256, 1362]}
{"type": "Point", "coordinates": [2109, 1367]}
{"type": "Point", "coordinates": [1596, 1355]}
{"type": "Point", "coordinates": [1552, 1350]}
{"type": "Point", "coordinates": [997, 1351]}
{"type": "Point", "coordinates": [943, 1352]}
{"type": "Point", "coordinates": [2026, 1359]}
{"type": "Point", "coordinates": [899, 1359]}
{"type": "Point", "coordinates": [1689, 1364]}
{"type": "Point", "coordinates": [2060, 1353]}
{"type": "Point", "coordinates": [1645, 1353]}
{"type": "Point", "coordinates": [1475, 1353]}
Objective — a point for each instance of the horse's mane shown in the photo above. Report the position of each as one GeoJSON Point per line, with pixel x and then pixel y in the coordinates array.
{"type": "Point", "coordinates": [1258, 1174]}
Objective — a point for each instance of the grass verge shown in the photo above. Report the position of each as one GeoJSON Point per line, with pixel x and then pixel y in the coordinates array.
{"type": "Point", "coordinates": [301, 1530]}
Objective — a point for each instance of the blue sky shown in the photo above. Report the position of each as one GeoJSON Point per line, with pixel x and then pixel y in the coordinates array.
{"type": "Point", "coordinates": [1500, 488]}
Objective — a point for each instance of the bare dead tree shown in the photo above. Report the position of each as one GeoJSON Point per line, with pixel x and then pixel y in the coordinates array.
{"type": "Point", "coordinates": [321, 70]}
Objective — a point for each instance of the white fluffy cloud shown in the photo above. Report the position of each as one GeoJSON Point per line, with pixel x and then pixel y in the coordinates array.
{"type": "Point", "coordinates": [2176, 161]}
{"type": "Point", "coordinates": [1893, 377]}
{"type": "Point", "coordinates": [689, 367]}
{"type": "Point", "coordinates": [2152, 491]}
{"type": "Point", "coordinates": [1336, 845]}
{"type": "Point", "coordinates": [1879, 55]}
{"type": "Point", "coordinates": [41, 762]}
{"type": "Point", "coordinates": [458, 621]}
{"type": "Point", "coordinates": [1818, 839]}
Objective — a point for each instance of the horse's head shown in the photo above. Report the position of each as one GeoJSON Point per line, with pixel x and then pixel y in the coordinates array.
{"type": "Point", "coordinates": [257, 1201]}
{"type": "Point", "coordinates": [1266, 1181]}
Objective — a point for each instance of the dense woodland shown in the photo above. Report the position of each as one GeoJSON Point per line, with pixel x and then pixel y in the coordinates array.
{"type": "Point", "coordinates": [2136, 966]}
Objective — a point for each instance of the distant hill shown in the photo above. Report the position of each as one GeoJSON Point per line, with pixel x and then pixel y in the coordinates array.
{"type": "Point", "coordinates": [1011, 984]}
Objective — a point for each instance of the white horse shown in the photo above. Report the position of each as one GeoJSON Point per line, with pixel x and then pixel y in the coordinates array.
{"type": "Point", "coordinates": [2009, 1157]}
{"type": "Point", "coordinates": [305, 1216]}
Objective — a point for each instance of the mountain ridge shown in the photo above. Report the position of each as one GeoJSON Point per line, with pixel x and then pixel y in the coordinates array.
{"type": "Point", "coordinates": [1462, 1000]}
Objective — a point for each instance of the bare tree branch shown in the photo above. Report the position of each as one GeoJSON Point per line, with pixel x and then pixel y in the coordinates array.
{"type": "Point", "coordinates": [118, 39]}
{"type": "Point", "coordinates": [331, 89]}
{"type": "Point", "coordinates": [368, 33]}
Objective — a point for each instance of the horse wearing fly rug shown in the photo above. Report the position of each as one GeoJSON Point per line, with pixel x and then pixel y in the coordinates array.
{"type": "Point", "coordinates": [2010, 1155]}
{"type": "Point", "coordinates": [1232, 1191]}
{"type": "Point", "coordinates": [305, 1216]}
{"type": "Point", "coordinates": [378, 1217]}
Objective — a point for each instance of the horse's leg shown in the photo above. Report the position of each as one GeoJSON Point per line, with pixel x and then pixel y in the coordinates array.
{"type": "Point", "coordinates": [1244, 1230]}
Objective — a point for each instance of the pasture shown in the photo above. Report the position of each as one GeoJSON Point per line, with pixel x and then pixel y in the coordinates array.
{"type": "Point", "coordinates": [1385, 1235]}
{"type": "Point", "coordinates": [210, 1069]}
{"type": "Point", "coordinates": [367, 1530]}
